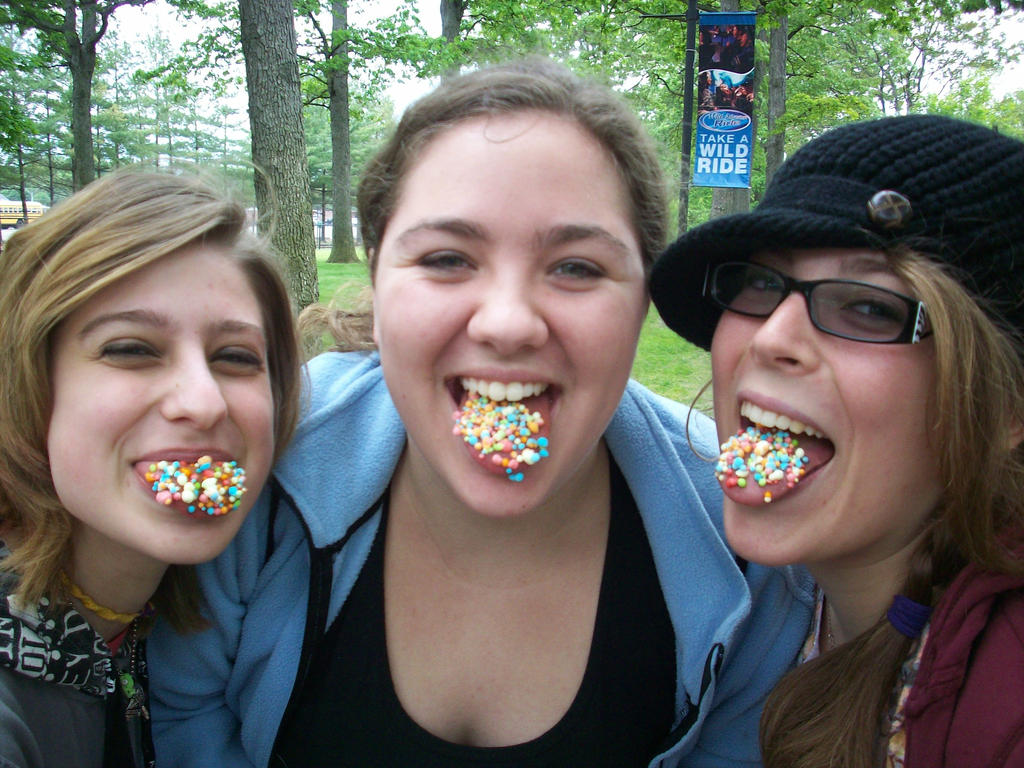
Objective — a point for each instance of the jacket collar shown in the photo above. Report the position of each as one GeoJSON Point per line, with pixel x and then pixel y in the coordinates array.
{"type": "Point", "coordinates": [52, 643]}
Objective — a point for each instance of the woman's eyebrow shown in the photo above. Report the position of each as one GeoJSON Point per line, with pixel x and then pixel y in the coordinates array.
{"type": "Point", "coordinates": [867, 265]}
{"type": "Point", "coordinates": [570, 233]}
{"type": "Point", "coordinates": [856, 264]}
{"type": "Point", "coordinates": [453, 226]}
{"type": "Point", "coordinates": [154, 320]}
{"type": "Point", "coordinates": [141, 316]}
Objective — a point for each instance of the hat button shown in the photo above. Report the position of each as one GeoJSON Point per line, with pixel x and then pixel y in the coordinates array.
{"type": "Point", "coordinates": [889, 209]}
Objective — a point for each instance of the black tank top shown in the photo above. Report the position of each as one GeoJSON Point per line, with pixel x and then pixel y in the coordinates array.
{"type": "Point", "coordinates": [348, 713]}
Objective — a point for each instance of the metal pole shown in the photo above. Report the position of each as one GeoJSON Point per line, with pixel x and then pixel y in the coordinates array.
{"type": "Point", "coordinates": [692, 17]}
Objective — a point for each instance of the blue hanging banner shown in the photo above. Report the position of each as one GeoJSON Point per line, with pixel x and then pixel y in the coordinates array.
{"type": "Point", "coordinates": [725, 100]}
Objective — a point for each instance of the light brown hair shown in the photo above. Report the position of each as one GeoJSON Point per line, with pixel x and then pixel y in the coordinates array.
{"type": "Point", "coordinates": [829, 711]}
{"type": "Point", "coordinates": [111, 229]}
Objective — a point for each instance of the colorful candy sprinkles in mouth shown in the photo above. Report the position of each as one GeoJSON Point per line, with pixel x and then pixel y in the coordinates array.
{"type": "Point", "coordinates": [761, 455]}
{"type": "Point", "coordinates": [204, 486]}
{"type": "Point", "coordinates": [504, 430]}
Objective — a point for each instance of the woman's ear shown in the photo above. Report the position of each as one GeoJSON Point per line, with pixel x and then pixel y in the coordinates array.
{"type": "Point", "coordinates": [1016, 435]}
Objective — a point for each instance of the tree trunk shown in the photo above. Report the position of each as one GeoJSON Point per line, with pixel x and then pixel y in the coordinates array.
{"type": "Point", "coordinates": [21, 183]}
{"type": "Point", "coordinates": [51, 187]}
{"type": "Point", "coordinates": [343, 248]}
{"type": "Point", "coordinates": [50, 170]}
{"type": "Point", "coordinates": [170, 141]}
{"type": "Point", "coordinates": [728, 200]}
{"type": "Point", "coordinates": [775, 143]}
{"type": "Point", "coordinates": [279, 141]}
{"type": "Point", "coordinates": [451, 19]}
{"type": "Point", "coordinates": [451, 22]}
{"type": "Point", "coordinates": [81, 61]}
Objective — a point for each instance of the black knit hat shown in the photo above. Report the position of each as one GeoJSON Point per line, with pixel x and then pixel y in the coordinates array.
{"type": "Point", "coordinates": [942, 187]}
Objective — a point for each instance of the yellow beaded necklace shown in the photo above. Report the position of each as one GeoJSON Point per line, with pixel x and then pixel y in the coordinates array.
{"type": "Point", "coordinates": [101, 610]}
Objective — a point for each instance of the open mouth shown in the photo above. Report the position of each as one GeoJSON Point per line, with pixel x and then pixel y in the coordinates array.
{"type": "Point", "coordinates": [202, 488]}
{"type": "Point", "coordinates": [503, 424]}
{"type": "Point", "coordinates": [769, 455]}
{"type": "Point", "coordinates": [513, 391]}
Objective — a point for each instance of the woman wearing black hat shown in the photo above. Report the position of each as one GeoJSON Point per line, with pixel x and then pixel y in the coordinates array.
{"type": "Point", "coordinates": [869, 393]}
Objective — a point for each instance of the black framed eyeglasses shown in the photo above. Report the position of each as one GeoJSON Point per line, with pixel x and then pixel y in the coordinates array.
{"type": "Point", "coordinates": [845, 308]}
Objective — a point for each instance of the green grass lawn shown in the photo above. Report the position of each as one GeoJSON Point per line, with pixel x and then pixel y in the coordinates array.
{"type": "Point", "coordinates": [664, 362]}
{"type": "Point", "coordinates": [341, 283]}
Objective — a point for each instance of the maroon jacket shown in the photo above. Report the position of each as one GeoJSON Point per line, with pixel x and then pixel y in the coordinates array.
{"type": "Point", "coordinates": [966, 707]}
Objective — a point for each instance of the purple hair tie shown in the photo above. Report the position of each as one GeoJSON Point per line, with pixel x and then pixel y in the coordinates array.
{"type": "Point", "coordinates": [908, 617]}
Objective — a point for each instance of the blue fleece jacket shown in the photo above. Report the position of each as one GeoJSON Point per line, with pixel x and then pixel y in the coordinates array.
{"type": "Point", "coordinates": [219, 696]}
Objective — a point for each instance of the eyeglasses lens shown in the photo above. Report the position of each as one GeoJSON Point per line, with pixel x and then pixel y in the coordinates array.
{"type": "Point", "coordinates": [858, 311]}
{"type": "Point", "coordinates": [747, 288]}
{"type": "Point", "coordinates": [848, 309]}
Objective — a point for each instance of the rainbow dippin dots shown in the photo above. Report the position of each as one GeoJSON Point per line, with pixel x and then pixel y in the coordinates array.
{"type": "Point", "coordinates": [504, 430]}
{"type": "Point", "coordinates": [205, 486]}
{"type": "Point", "coordinates": [760, 455]}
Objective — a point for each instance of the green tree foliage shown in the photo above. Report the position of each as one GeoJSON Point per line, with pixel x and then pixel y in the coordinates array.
{"type": "Point", "coordinates": [15, 125]}
{"type": "Point", "coordinates": [844, 60]}
{"type": "Point", "coordinates": [137, 118]}
{"type": "Point", "coordinates": [318, 155]}
{"type": "Point", "coordinates": [876, 68]}
{"type": "Point", "coordinates": [16, 128]}
{"type": "Point", "coordinates": [972, 99]}
{"type": "Point", "coordinates": [339, 60]}
{"type": "Point", "coordinates": [329, 72]}
{"type": "Point", "coordinates": [371, 119]}
{"type": "Point", "coordinates": [70, 31]}
{"type": "Point", "coordinates": [34, 150]}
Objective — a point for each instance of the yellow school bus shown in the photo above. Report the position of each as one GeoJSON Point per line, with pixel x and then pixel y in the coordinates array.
{"type": "Point", "coordinates": [13, 215]}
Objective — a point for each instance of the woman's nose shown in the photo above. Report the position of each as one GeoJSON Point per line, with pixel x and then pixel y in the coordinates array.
{"type": "Point", "coordinates": [193, 393]}
{"type": "Point", "coordinates": [509, 316]}
{"type": "Point", "coordinates": [787, 338]}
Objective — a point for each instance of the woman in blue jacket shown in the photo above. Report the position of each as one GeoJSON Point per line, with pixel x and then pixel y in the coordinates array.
{"type": "Point", "coordinates": [487, 545]}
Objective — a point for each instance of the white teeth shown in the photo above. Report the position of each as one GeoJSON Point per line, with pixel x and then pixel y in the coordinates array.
{"type": "Point", "coordinates": [496, 391]}
{"type": "Point", "coordinates": [502, 390]}
{"type": "Point", "coordinates": [771, 419]}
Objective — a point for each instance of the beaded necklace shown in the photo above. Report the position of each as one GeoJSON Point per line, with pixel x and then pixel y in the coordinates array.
{"type": "Point", "coordinates": [101, 610]}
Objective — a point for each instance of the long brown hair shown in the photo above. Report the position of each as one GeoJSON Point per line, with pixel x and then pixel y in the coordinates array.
{"type": "Point", "coordinates": [111, 229]}
{"type": "Point", "coordinates": [831, 711]}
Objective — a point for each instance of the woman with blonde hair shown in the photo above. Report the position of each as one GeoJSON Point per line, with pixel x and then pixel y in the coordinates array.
{"type": "Point", "coordinates": [149, 374]}
{"type": "Point", "coordinates": [865, 326]}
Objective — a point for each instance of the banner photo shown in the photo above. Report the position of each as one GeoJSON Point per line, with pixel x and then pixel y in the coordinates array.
{"type": "Point", "coordinates": [725, 100]}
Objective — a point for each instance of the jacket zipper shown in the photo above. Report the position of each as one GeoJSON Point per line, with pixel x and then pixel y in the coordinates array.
{"type": "Point", "coordinates": [712, 666]}
{"type": "Point", "coordinates": [321, 577]}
